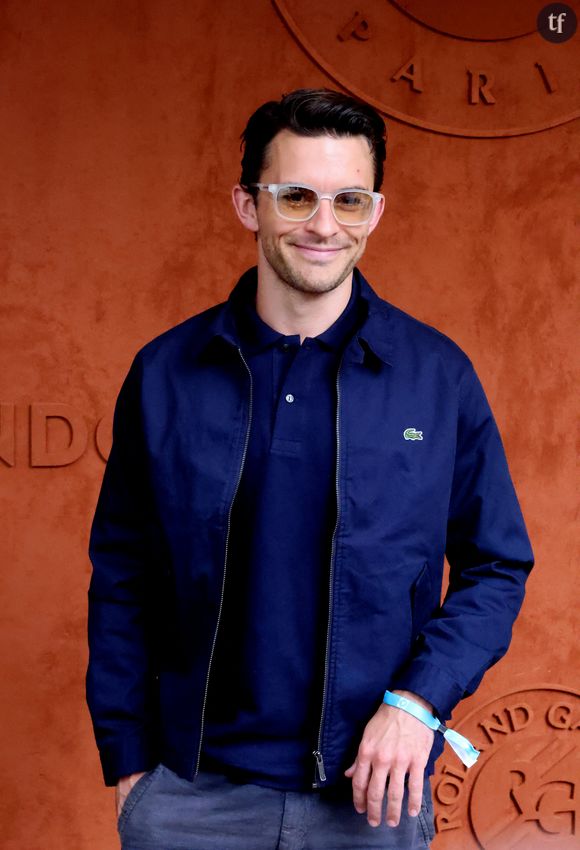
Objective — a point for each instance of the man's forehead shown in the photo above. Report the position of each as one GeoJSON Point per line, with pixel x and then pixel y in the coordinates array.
{"type": "Point", "coordinates": [339, 153]}
{"type": "Point", "coordinates": [287, 140]}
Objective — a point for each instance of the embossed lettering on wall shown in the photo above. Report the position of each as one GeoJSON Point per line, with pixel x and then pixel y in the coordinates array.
{"type": "Point", "coordinates": [56, 434]}
{"type": "Point", "coordinates": [472, 69]}
{"type": "Point", "coordinates": [529, 766]}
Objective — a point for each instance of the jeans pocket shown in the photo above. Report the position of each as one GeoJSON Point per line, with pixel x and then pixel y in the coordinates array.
{"type": "Point", "coordinates": [135, 794]}
{"type": "Point", "coordinates": [426, 817]}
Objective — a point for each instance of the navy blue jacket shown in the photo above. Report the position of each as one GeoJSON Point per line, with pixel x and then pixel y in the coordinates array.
{"type": "Point", "coordinates": [420, 473]}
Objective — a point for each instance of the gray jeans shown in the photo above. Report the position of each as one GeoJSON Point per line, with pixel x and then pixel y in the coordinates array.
{"type": "Point", "coordinates": [164, 812]}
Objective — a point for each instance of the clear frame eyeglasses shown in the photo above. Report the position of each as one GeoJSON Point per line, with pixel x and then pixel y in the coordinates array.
{"type": "Point", "coordinates": [299, 202]}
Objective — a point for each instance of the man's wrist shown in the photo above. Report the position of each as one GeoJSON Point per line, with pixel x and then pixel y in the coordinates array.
{"type": "Point", "coordinates": [460, 745]}
{"type": "Point", "coordinates": [131, 778]}
{"type": "Point", "coordinates": [416, 698]}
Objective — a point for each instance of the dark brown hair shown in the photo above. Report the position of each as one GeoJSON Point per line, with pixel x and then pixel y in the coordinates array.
{"type": "Point", "coordinates": [311, 112]}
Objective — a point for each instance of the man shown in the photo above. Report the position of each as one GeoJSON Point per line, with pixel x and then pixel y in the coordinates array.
{"type": "Point", "coordinates": [288, 470]}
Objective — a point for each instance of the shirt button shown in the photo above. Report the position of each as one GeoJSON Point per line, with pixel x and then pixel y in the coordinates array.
{"type": "Point", "coordinates": [289, 398]}
{"type": "Point", "coordinates": [285, 346]}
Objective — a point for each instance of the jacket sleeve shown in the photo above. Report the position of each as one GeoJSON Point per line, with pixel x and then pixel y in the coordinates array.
{"type": "Point", "coordinates": [490, 557]}
{"type": "Point", "coordinates": [120, 678]}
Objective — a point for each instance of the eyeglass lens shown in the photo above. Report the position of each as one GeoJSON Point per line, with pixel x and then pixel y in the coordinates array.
{"type": "Point", "coordinates": [298, 203]}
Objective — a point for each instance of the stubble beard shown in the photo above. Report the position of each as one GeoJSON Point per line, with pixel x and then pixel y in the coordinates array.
{"type": "Point", "coordinates": [296, 279]}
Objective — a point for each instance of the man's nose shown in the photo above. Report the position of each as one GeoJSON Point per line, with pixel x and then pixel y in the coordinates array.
{"type": "Point", "coordinates": [323, 221]}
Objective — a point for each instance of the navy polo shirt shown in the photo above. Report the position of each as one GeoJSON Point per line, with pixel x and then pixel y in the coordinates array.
{"type": "Point", "coordinates": [265, 690]}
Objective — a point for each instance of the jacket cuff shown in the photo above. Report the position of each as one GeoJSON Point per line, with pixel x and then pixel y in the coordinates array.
{"type": "Point", "coordinates": [130, 754]}
{"type": "Point", "coordinates": [433, 684]}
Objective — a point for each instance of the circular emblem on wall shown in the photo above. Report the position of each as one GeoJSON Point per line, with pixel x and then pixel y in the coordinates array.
{"type": "Point", "coordinates": [467, 69]}
{"type": "Point", "coordinates": [524, 791]}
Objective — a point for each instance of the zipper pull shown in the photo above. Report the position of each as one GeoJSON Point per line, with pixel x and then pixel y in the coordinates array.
{"type": "Point", "coordinates": [319, 764]}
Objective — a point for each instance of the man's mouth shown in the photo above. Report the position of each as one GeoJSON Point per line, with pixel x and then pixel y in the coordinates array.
{"type": "Point", "coordinates": [318, 252]}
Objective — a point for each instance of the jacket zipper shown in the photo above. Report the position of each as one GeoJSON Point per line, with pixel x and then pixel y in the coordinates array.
{"type": "Point", "coordinates": [225, 561]}
{"type": "Point", "coordinates": [319, 771]}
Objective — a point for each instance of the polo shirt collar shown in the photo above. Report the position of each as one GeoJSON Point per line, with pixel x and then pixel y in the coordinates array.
{"type": "Point", "coordinates": [376, 318]}
{"type": "Point", "coordinates": [257, 335]}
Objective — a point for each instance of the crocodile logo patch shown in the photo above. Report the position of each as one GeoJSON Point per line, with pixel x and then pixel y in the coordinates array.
{"type": "Point", "coordinates": [412, 434]}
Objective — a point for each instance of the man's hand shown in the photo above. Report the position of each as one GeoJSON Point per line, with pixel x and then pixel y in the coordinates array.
{"type": "Point", "coordinates": [393, 744]}
{"type": "Point", "coordinates": [124, 785]}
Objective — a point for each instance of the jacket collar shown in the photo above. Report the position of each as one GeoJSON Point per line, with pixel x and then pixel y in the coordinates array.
{"type": "Point", "coordinates": [373, 338]}
{"type": "Point", "coordinates": [376, 332]}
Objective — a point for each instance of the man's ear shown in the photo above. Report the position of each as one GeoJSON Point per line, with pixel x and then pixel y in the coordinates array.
{"type": "Point", "coordinates": [245, 207]}
{"type": "Point", "coordinates": [378, 211]}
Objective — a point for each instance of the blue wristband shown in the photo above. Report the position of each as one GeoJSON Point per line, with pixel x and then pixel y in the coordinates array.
{"type": "Point", "coordinates": [460, 745]}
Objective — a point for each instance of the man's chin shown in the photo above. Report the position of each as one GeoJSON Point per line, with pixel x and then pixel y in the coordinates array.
{"type": "Point", "coordinates": [317, 280]}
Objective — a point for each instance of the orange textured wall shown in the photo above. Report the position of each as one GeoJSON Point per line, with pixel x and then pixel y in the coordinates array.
{"type": "Point", "coordinates": [119, 144]}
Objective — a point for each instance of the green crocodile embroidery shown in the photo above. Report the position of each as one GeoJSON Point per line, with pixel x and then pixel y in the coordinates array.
{"type": "Point", "coordinates": [412, 434]}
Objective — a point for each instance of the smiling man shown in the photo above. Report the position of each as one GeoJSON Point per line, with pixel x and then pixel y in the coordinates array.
{"type": "Point", "coordinates": [271, 665]}
{"type": "Point", "coordinates": [316, 255]}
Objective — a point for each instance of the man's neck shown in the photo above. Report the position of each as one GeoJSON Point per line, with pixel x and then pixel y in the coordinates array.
{"type": "Point", "coordinates": [290, 311]}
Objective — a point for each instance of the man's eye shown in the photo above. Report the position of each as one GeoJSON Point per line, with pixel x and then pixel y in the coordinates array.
{"type": "Point", "coordinates": [296, 196]}
{"type": "Point", "coordinates": [352, 200]}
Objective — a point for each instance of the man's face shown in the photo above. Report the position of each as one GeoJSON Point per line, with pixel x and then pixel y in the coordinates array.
{"type": "Point", "coordinates": [317, 255]}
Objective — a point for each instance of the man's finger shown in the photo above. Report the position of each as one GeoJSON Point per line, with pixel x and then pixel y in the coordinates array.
{"type": "Point", "coordinates": [376, 794]}
{"type": "Point", "coordinates": [395, 793]}
{"type": "Point", "coordinates": [119, 799]}
{"type": "Point", "coordinates": [360, 781]}
{"type": "Point", "coordinates": [415, 790]}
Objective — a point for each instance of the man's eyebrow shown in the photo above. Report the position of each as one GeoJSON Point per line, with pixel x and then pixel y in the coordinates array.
{"type": "Point", "coordinates": [342, 189]}
{"type": "Point", "coordinates": [308, 185]}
